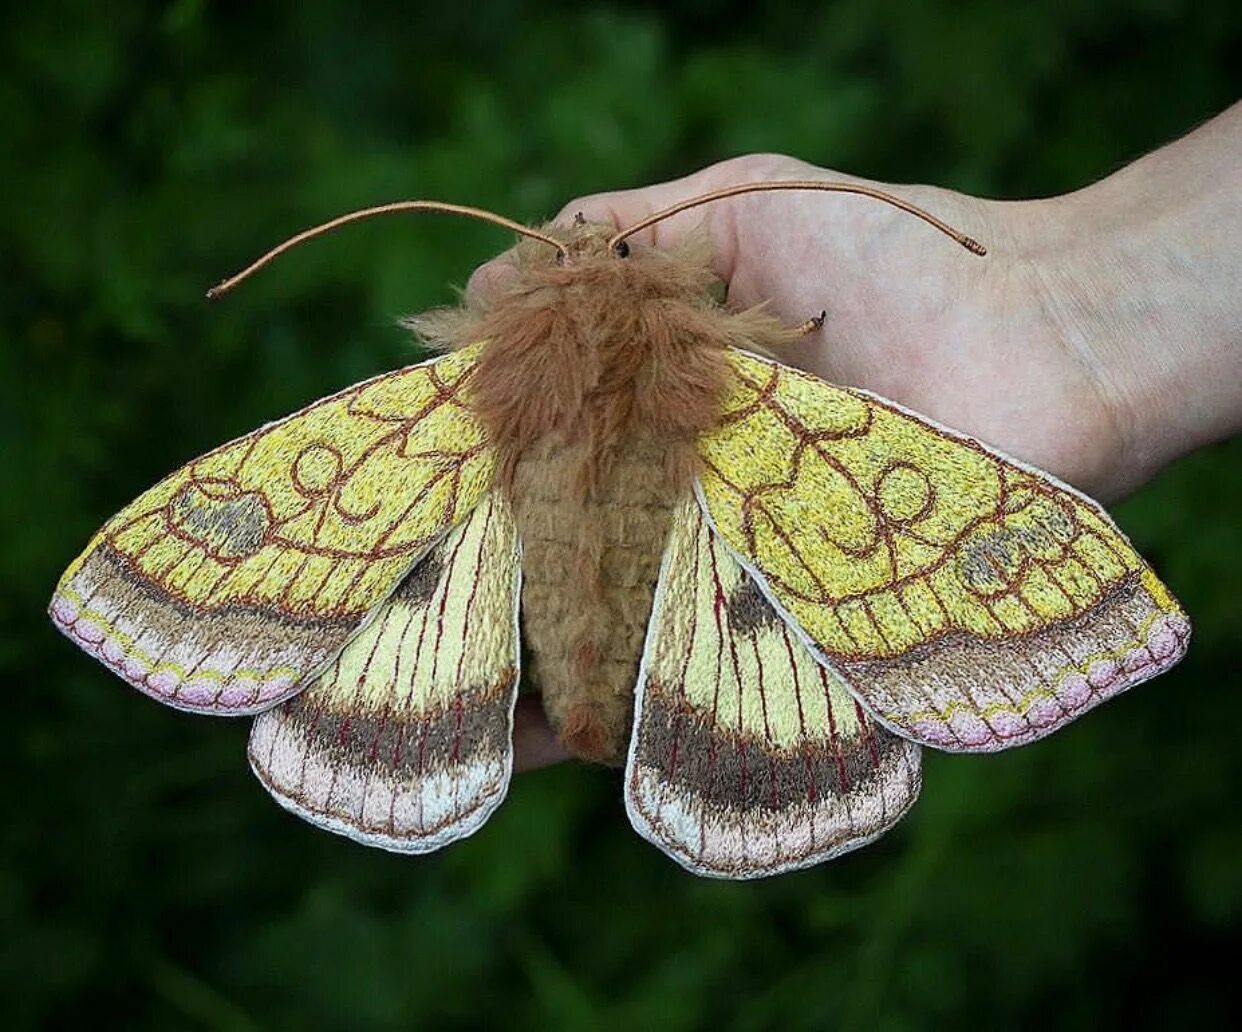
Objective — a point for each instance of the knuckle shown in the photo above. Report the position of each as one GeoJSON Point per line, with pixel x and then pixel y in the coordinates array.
{"type": "Point", "coordinates": [761, 166]}
{"type": "Point", "coordinates": [594, 208]}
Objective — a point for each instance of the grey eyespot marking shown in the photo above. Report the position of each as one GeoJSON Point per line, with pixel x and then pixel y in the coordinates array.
{"type": "Point", "coordinates": [421, 582]}
{"type": "Point", "coordinates": [749, 611]}
{"type": "Point", "coordinates": [226, 527]}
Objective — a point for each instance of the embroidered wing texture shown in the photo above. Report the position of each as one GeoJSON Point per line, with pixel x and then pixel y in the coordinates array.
{"type": "Point", "coordinates": [748, 756]}
{"type": "Point", "coordinates": [405, 741]}
{"type": "Point", "coordinates": [228, 583]}
{"type": "Point", "coordinates": [972, 603]}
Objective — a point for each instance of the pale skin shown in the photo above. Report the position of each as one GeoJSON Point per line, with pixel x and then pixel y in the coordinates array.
{"type": "Point", "coordinates": [1100, 339]}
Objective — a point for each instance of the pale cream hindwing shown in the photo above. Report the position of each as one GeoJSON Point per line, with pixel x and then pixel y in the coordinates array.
{"type": "Point", "coordinates": [748, 757]}
{"type": "Point", "coordinates": [405, 741]}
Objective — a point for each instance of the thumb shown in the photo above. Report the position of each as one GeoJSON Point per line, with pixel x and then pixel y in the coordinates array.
{"type": "Point", "coordinates": [623, 208]}
{"type": "Point", "coordinates": [615, 209]}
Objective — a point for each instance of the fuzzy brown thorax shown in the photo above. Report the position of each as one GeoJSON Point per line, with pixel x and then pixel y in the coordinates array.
{"type": "Point", "coordinates": [599, 372]}
{"type": "Point", "coordinates": [597, 346]}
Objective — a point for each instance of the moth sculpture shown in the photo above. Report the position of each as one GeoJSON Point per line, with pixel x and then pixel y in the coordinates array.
{"type": "Point", "coordinates": [761, 593]}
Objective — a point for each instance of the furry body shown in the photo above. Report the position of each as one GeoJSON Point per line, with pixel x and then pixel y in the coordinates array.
{"type": "Point", "coordinates": [598, 375]}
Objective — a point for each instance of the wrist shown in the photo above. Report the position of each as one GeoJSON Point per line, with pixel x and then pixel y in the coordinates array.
{"type": "Point", "coordinates": [1052, 303]}
{"type": "Point", "coordinates": [1138, 276]}
{"type": "Point", "coordinates": [1116, 305]}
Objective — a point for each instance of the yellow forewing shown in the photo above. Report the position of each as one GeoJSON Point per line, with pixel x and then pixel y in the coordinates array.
{"type": "Point", "coordinates": [231, 580]}
{"type": "Point", "coordinates": [970, 601]}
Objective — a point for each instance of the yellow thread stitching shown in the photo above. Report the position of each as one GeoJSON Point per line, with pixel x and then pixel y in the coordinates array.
{"type": "Point", "coordinates": [1018, 709]}
{"type": "Point", "coordinates": [126, 642]}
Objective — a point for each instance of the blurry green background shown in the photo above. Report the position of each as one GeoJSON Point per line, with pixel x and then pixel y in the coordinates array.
{"type": "Point", "coordinates": [146, 880]}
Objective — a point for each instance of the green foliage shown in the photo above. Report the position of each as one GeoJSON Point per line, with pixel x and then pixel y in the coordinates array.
{"type": "Point", "coordinates": [146, 881]}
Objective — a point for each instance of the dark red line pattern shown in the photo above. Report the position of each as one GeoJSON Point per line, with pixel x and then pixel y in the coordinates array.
{"type": "Point", "coordinates": [442, 469]}
{"type": "Point", "coordinates": [332, 686]}
{"type": "Point", "coordinates": [718, 603]}
{"type": "Point", "coordinates": [826, 758]}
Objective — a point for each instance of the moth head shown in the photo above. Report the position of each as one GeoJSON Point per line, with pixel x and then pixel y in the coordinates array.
{"type": "Point", "coordinates": [591, 241]}
{"type": "Point", "coordinates": [585, 257]}
{"type": "Point", "coordinates": [628, 272]}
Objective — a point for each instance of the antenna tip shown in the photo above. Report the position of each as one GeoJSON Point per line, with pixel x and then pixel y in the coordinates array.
{"type": "Point", "coordinates": [215, 293]}
{"type": "Point", "coordinates": [973, 246]}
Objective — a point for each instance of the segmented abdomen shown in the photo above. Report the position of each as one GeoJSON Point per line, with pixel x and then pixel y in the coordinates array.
{"type": "Point", "coordinates": [590, 559]}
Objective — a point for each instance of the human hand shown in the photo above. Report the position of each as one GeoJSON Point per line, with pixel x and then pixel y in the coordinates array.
{"type": "Point", "coordinates": [911, 315]}
{"type": "Point", "coordinates": [1036, 349]}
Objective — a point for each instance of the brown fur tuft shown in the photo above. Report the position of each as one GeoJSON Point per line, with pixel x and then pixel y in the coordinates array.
{"type": "Point", "coordinates": [585, 734]}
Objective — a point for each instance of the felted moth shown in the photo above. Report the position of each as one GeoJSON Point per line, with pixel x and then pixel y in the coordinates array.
{"type": "Point", "coordinates": [760, 592]}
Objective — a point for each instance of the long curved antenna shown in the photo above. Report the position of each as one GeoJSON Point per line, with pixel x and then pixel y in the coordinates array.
{"type": "Point", "coordinates": [970, 243]}
{"type": "Point", "coordinates": [366, 213]}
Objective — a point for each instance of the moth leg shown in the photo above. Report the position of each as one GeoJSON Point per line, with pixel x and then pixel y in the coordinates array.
{"type": "Point", "coordinates": [811, 325]}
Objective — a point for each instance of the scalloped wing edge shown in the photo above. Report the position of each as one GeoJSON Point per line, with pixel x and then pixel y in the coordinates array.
{"type": "Point", "coordinates": [164, 680]}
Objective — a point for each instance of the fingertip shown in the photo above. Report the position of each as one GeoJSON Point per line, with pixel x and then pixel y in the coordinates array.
{"type": "Point", "coordinates": [608, 208]}
{"type": "Point", "coordinates": [490, 278]}
{"type": "Point", "coordinates": [535, 744]}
